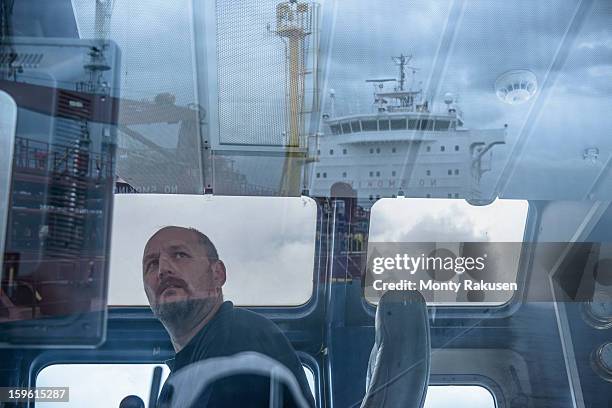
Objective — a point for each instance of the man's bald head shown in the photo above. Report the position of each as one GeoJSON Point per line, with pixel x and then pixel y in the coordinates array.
{"type": "Point", "coordinates": [211, 250]}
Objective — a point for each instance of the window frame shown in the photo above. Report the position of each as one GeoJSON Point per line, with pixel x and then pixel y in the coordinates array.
{"type": "Point", "coordinates": [50, 358]}
{"type": "Point", "coordinates": [504, 310]}
{"type": "Point", "coordinates": [281, 312]}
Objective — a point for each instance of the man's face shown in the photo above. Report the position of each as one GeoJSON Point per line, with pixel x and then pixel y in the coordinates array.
{"type": "Point", "coordinates": [177, 272]}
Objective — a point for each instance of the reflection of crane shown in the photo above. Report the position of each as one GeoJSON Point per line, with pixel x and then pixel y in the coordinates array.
{"type": "Point", "coordinates": [6, 31]}
{"type": "Point", "coordinates": [104, 12]}
{"type": "Point", "coordinates": [294, 22]}
{"type": "Point", "coordinates": [6, 11]}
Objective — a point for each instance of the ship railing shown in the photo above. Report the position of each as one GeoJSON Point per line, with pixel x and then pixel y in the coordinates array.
{"type": "Point", "coordinates": [38, 156]}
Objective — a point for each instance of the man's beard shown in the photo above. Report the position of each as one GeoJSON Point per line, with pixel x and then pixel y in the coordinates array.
{"type": "Point", "coordinates": [183, 314]}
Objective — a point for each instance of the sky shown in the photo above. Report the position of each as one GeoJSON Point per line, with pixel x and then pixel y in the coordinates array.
{"type": "Point", "coordinates": [440, 220]}
{"type": "Point", "coordinates": [492, 37]}
{"type": "Point", "coordinates": [569, 113]}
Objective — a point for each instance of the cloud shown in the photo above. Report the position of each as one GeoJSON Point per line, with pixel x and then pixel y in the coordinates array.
{"type": "Point", "coordinates": [439, 220]}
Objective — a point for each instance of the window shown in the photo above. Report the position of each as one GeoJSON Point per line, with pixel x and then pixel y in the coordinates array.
{"type": "Point", "coordinates": [442, 148]}
{"type": "Point", "coordinates": [449, 224]}
{"type": "Point", "coordinates": [456, 172]}
{"type": "Point", "coordinates": [378, 174]}
{"type": "Point", "coordinates": [369, 125]}
{"type": "Point", "coordinates": [120, 380]}
{"type": "Point", "coordinates": [251, 265]}
{"type": "Point", "coordinates": [458, 396]}
{"type": "Point", "coordinates": [412, 124]}
{"type": "Point", "coordinates": [426, 124]}
{"type": "Point", "coordinates": [371, 174]}
{"type": "Point", "coordinates": [335, 129]}
{"type": "Point", "coordinates": [398, 124]}
{"type": "Point", "coordinates": [344, 174]}
{"type": "Point", "coordinates": [383, 124]}
{"type": "Point", "coordinates": [324, 175]}
{"type": "Point", "coordinates": [371, 151]}
{"type": "Point", "coordinates": [456, 148]}
{"type": "Point", "coordinates": [318, 152]}
{"type": "Point", "coordinates": [343, 151]}
{"type": "Point", "coordinates": [318, 175]}
{"type": "Point", "coordinates": [441, 125]}
{"type": "Point", "coordinates": [84, 380]}
{"type": "Point", "coordinates": [331, 152]}
{"type": "Point", "coordinates": [378, 150]}
{"type": "Point", "coordinates": [346, 128]}
{"type": "Point", "coordinates": [428, 172]}
{"type": "Point", "coordinates": [450, 172]}
{"type": "Point", "coordinates": [393, 173]}
{"type": "Point", "coordinates": [393, 150]}
{"type": "Point", "coordinates": [356, 126]}
{"type": "Point", "coordinates": [428, 148]}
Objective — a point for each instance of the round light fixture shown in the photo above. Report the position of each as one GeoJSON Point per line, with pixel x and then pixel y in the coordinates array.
{"type": "Point", "coordinates": [516, 87]}
{"type": "Point", "coordinates": [598, 312]}
{"type": "Point", "coordinates": [601, 361]}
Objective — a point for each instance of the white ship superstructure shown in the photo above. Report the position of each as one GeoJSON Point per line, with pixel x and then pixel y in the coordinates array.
{"type": "Point", "coordinates": [402, 148]}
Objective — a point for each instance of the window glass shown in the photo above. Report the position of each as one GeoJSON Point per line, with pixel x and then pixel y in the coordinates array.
{"type": "Point", "coordinates": [335, 129]}
{"type": "Point", "coordinates": [441, 125]}
{"type": "Point", "coordinates": [403, 224]}
{"type": "Point", "coordinates": [458, 396]}
{"type": "Point", "coordinates": [355, 126]}
{"type": "Point", "coordinates": [369, 125]}
{"type": "Point", "coordinates": [266, 243]}
{"type": "Point", "coordinates": [99, 385]}
{"type": "Point", "coordinates": [398, 124]}
{"type": "Point", "coordinates": [346, 128]}
{"type": "Point", "coordinates": [383, 125]}
{"type": "Point", "coordinates": [120, 380]}
{"type": "Point", "coordinates": [426, 124]}
{"type": "Point", "coordinates": [440, 220]}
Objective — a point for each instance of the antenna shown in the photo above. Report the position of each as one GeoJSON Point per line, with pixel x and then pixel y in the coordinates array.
{"type": "Point", "coordinates": [402, 62]}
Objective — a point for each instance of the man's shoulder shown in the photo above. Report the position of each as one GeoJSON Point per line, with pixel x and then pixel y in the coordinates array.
{"type": "Point", "coordinates": [245, 319]}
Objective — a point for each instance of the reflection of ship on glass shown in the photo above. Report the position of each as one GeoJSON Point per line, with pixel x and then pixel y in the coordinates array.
{"type": "Point", "coordinates": [401, 147]}
{"type": "Point", "coordinates": [62, 173]}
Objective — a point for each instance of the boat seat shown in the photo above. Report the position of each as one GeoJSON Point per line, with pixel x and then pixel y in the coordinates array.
{"type": "Point", "coordinates": [398, 370]}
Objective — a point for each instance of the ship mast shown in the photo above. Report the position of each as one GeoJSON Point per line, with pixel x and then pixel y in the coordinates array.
{"type": "Point", "coordinates": [293, 22]}
{"type": "Point", "coordinates": [404, 100]}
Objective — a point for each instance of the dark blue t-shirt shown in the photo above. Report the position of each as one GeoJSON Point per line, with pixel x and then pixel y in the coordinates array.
{"type": "Point", "coordinates": [234, 330]}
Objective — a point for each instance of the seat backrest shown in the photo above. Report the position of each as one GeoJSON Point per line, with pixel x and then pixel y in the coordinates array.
{"type": "Point", "coordinates": [398, 370]}
{"type": "Point", "coordinates": [193, 379]}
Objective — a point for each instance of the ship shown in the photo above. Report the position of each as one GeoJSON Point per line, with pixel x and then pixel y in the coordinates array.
{"type": "Point", "coordinates": [401, 147]}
